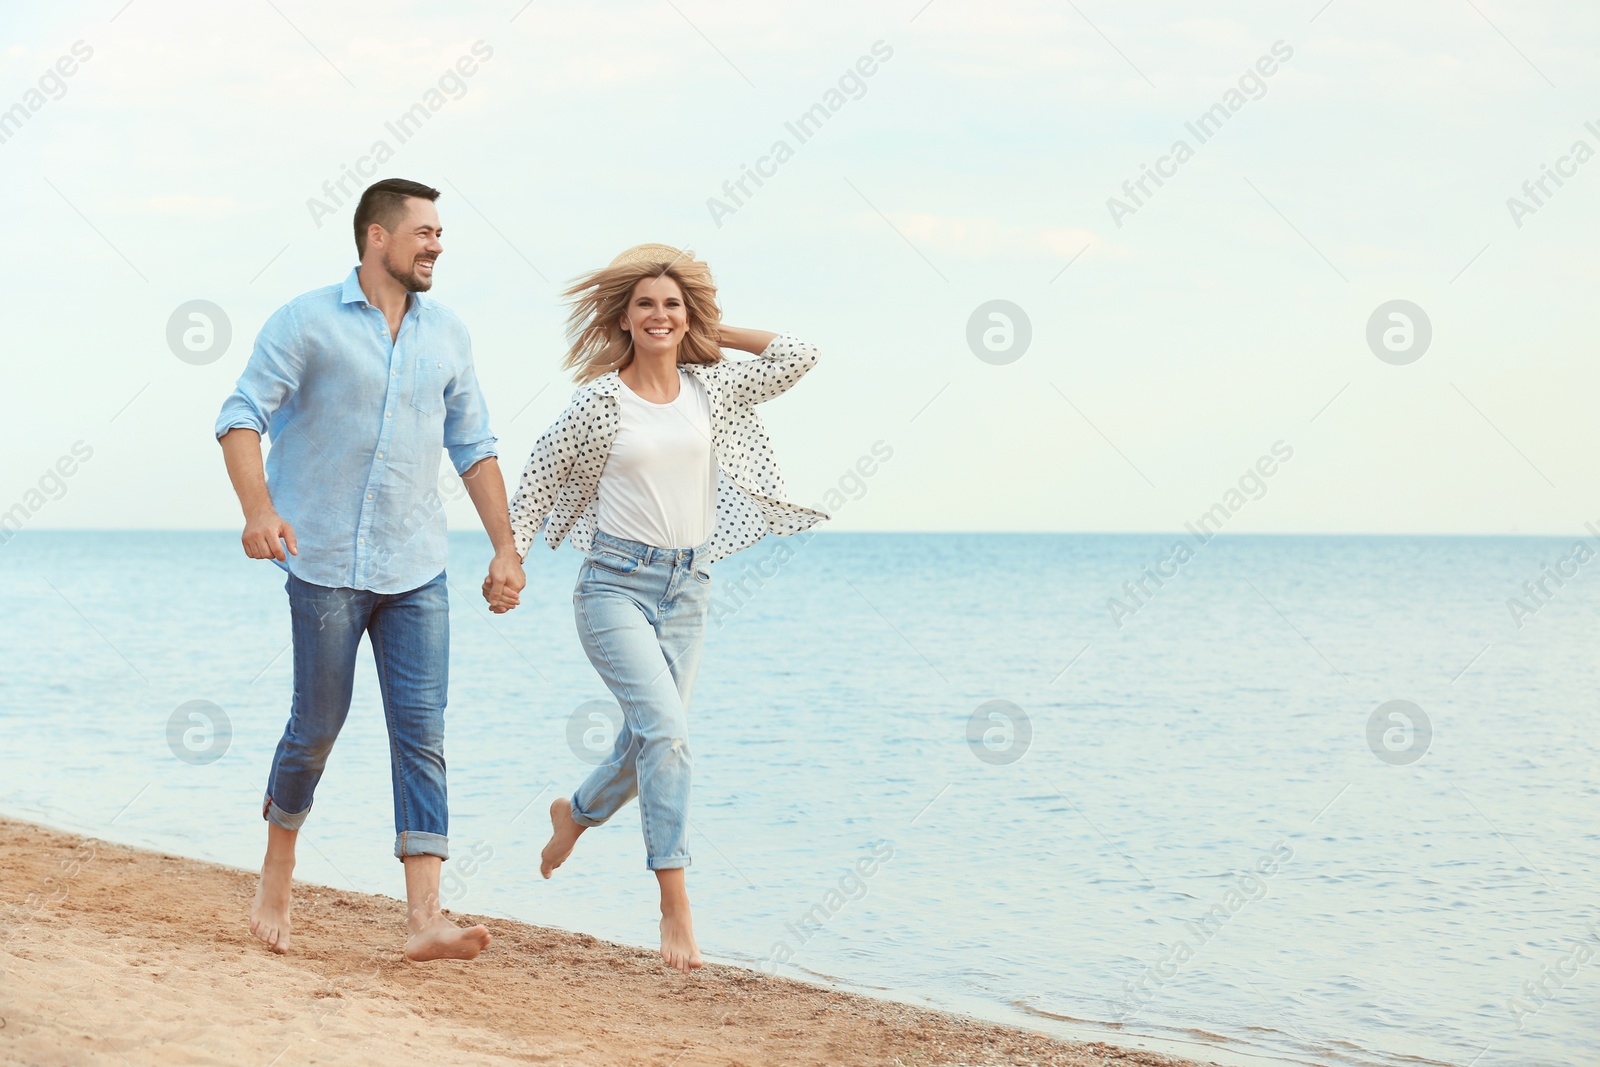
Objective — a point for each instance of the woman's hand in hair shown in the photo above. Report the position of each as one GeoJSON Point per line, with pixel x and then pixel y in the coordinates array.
{"type": "Point", "coordinates": [753, 341]}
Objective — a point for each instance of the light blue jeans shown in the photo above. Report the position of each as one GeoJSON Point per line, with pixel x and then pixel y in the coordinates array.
{"type": "Point", "coordinates": [641, 614]}
{"type": "Point", "coordinates": [410, 635]}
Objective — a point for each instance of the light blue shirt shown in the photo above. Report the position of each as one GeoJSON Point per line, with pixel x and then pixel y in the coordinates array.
{"type": "Point", "coordinates": [356, 424]}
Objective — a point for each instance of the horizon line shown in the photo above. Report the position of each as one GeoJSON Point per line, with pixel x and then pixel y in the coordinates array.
{"type": "Point", "coordinates": [11, 535]}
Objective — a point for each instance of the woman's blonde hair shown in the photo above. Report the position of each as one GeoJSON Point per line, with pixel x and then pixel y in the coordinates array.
{"type": "Point", "coordinates": [600, 300]}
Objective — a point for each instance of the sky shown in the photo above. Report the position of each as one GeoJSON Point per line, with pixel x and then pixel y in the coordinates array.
{"type": "Point", "coordinates": [1154, 346]}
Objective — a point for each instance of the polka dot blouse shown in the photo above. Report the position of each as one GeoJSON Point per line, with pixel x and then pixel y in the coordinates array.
{"type": "Point", "coordinates": [558, 491]}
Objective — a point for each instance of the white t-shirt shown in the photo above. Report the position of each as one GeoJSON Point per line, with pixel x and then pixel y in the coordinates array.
{"type": "Point", "coordinates": [660, 478]}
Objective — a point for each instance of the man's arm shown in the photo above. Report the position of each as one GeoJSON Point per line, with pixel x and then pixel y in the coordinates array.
{"type": "Point", "coordinates": [470, 442]}
{"type": "Point", "coordinates": [487, 488]}
{"type": "Point", "coordinates": [270, 379]}
{"type": "Point", "coordinates": [265, 532]}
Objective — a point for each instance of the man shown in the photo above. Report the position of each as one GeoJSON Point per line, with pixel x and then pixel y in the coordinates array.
{"type": "Point", "coordinates": [359, 386]}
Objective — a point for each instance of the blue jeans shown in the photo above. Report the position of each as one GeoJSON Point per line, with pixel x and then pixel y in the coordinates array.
{"type": "Point", "coordinates": [641, 615]}
{"type": "Point", "coordinates": [410, 635]}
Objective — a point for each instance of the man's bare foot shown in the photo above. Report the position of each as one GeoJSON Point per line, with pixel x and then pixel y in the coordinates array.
{"type": "Point", "coordinates": [269, 915]}
{"type": "Point", "coordinates": [441, 939]}
{"type": "Point", "coordinates": [677, 942]}
{"type": "Point", "coordinates": [563, 835]}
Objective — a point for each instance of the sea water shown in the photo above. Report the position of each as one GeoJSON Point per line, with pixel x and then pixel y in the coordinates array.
{"type": "Point", "coordinates": [1285, 798]}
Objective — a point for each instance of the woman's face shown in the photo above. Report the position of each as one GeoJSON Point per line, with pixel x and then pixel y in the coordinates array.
{"type": "Point", "coordinates": [656, 317]}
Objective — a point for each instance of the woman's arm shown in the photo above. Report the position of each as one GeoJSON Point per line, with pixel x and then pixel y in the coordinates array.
{"type": "Point", "coordinates": [783, 359]}
{"type": "Point", "coordinates": [549, 466]}
{"type": "Point", "coordinates": [752, 341]}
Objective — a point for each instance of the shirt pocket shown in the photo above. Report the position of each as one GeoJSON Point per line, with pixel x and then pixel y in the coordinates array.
{"type": "Point", "coordinates": [428, 379]}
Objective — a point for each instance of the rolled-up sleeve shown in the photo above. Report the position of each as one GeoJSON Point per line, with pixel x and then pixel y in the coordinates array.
{"type": "Point", "coordinates": [466, 418]}
{"type": "Point", "coordinates": [270, 377]}
{"type": "Point", "coordinates": [782, 363]}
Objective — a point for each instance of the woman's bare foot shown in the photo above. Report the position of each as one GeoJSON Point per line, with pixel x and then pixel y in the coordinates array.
{"type": "Point", "coordinates": [269, 914]}
{"type": "Point", "coordinates": [441, 939]}
{"type": "Point", "coordinates": [563, 835]}
{"type": "Point", "coordinates": [677, 942]}
{"type": "Point", "coordinates": [677, 929]}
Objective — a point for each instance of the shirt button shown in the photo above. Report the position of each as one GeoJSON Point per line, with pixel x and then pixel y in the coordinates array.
{"type": "Point", "coordinates": [369, 496]}
{"type": "Point", "coordinates": [380, 455]}
{"type": "Point", "coordinates": [387, 414]}
{"type": "Point", "coordinates": [363, 540]}
{"type": "Point", "coordinates": [394, 374]}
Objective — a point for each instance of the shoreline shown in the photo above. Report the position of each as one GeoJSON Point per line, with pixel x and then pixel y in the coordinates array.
{"type": "Point", "coordinates": [117, 954]}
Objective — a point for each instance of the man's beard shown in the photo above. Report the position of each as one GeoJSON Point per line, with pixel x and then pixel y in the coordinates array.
{"type": "Point", "coordinates": [413, 281]}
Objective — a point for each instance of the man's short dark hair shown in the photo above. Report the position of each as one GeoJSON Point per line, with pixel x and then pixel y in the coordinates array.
{"type": "Point", "coordinates": [385, 203]}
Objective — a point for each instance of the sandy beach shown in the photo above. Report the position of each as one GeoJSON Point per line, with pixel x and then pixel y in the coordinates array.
{"type": "Point", "coordinates": [116, 955]}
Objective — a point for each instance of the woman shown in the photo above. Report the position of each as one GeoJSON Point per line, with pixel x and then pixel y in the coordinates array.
{"type": "Point", "coordinates": [658, 466]}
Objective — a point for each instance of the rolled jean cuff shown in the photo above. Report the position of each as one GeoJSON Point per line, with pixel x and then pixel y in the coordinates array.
{"type": "Point", "coordinates": [667, 863]}
{"type": "Point", "coordinates": [416, 843]}
{"type": "Point", "coordinates": [581, 819]}
{"type": "Point", "coordinates": [278, 817]}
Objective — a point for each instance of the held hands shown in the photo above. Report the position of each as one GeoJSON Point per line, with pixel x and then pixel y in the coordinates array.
{"type": "Point", "coordinates": [503, 587]}
{"type": "Point", "coordinates": [265, 534]}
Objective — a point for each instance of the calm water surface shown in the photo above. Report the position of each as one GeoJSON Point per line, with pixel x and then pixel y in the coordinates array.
{"type": "Point", "coordinates": [1179, 831]}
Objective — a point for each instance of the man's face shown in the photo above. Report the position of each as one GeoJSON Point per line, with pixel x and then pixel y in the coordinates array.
{"type": "Point", "coordinates": [410, 249]}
